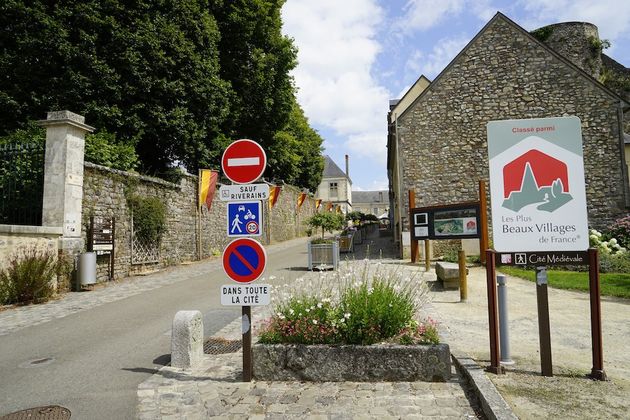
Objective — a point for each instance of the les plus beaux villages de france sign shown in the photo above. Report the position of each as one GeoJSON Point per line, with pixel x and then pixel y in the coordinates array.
{"type": "Point", "coordinates": [537, 185]}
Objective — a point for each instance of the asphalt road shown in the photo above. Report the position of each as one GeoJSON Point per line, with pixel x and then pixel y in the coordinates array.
{"type": "Point", "coordinates": [99, 356]}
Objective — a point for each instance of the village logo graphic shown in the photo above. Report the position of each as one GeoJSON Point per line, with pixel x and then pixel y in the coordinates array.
{"type": "Point", "coordinates": [535, 178]}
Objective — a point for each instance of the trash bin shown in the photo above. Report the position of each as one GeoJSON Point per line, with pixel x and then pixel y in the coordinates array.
{"type": "Point", "coordinates": [87, 268]}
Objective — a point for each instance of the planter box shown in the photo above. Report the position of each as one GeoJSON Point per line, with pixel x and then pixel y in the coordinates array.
{"type": "Point", "coordinates": [323, 363]}
{"type": "Point", "coordinates": [323, 256]}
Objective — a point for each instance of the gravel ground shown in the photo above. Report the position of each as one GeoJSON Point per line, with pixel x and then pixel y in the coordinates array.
{"type": "Point", "coordinates": [569, 393]}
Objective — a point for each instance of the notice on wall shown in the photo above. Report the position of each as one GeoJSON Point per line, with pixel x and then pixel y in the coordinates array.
{"type": "Point", "coordinates": [537, 185]}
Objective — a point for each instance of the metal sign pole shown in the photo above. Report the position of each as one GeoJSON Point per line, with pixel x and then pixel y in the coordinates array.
{"type": "Point", "coordinates": [544, 333]}
{"type": "Point", "coordinates": [597, 372]}
{"type": "Point", "coordinates": [493, 316]}
{"type": "Point", "coordinates": [414, 242]}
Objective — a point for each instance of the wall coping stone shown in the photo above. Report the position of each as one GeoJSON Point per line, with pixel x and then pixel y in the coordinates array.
{"type": "Point", "coordinates": [31, 230]}
{"type": "Point", "coordinates": [131, 174]}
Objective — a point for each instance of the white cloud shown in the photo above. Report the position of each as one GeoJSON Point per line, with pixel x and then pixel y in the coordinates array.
{"type": "Point", "coordinates": [337, 49]}
{"type": "Point", "coordinates": [424, 14]}
{"type": "Point", "coordinates": [613, 21]}
{"type": "Point", "coordinates": [421, 15]}
{"type": "Point", "coordinates": [433, 63]}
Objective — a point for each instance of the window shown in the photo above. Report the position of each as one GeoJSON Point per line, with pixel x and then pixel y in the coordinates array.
{"type": "Point", "coordinates": [332, 187]}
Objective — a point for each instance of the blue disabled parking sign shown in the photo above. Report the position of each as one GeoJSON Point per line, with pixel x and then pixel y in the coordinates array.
{"type": "Point", "coordinates": [244, 218]}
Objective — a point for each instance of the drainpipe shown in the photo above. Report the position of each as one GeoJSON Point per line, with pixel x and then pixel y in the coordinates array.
{"type": "Point", "coordinates": [622, 147]}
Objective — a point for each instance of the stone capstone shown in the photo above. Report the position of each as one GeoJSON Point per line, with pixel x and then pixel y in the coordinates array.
{"type": "Point", "coordinates": [187, 339]}
{"type": "Point", "coordinates": [448, 274]}
{"type": "Point", "coordinates": [322, 363]}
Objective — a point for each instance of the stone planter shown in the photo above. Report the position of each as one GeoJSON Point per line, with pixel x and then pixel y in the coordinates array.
{"type": "Point", "coordinates": [323, 256]}
{"type": "Point", "coordinates": [323, 363]}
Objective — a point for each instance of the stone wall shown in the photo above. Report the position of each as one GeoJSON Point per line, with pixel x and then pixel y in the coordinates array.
{"type": "Point", "coordinates": [505, 74]}
{"type": "Point", "coordinates": [104, 196]}
{"type": "Point", "coordinates": [14, 239]}
{"type": "Point", "coordinates": [577, 41]}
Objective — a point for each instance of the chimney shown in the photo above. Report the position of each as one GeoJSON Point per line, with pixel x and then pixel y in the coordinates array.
{"type": "Point", "coordinates": [347, 168]}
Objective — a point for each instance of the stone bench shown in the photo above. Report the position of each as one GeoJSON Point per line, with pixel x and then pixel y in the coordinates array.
{"type": "Point", "coordinates": [448, 274]}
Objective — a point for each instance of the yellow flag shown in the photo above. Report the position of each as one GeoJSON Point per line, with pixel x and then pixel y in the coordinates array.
{"type": "Point", "coordinates": [274, 193]}
{"type": "Point", "coordinates": [207, 187]}
{"type": "Point", "coordinates": [300, 200]}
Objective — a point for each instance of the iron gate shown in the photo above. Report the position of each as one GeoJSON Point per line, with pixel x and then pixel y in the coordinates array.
{"type": "Point", "coordinates": [21, 184]}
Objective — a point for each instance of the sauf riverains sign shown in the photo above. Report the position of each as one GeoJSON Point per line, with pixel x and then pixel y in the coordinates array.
{"type": "Point", "coordinates": [537, 185]}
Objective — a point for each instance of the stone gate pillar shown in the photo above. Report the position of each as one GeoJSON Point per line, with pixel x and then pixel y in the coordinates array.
{"type": "Point", "coordinates": [63, 176]}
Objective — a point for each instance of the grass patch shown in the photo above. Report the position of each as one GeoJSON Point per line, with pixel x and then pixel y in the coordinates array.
{"type": "Point", "coordinates": [611, 284]}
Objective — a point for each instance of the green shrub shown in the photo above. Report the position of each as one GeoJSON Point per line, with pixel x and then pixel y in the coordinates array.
{"type": "Point", "coordinates": [149, 218]}
{"type": "Point", "coordinates": [620, 230]}
{"type": "Point", "coordinates": [375, 312]}
{"type": "Point", "coordinates": [28, 277]}
{"type": "Point", "coordinates": [614, 263]}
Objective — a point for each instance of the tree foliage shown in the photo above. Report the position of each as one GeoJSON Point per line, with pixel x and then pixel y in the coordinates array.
{"type": "Point", "coordinates": [176, 80]}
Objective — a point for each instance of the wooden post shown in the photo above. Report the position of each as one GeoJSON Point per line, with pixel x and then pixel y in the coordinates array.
{"type": "Point", "coordinates": [597, 372]}
{"type": "Point", "coordinates": [414, 242]}
{"type": "Point", "coordinates": [483, 218]}
{"type": "Point", "coordinates": [198, 214]}
{"type": "Point", "coordinates": [463, 280]}
{"type": "Point", "coordinates": [247, 343]}
{"type": "Point", "coordinates": [427, 255]}
{"type": "Point", "coordinates": [493, 314]}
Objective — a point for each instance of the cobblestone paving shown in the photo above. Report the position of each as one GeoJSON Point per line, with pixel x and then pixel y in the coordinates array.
{"type": "Point", "coordinates": [214, 390]}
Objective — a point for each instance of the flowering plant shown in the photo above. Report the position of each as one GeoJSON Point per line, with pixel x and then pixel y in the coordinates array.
{"type": "Point", "coordinates": [611, 246]}
{"type": "Point", "coordinates": [350, 306]}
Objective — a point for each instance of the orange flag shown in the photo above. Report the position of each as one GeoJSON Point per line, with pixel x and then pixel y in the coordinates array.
{"type": "Point", "coordinates": [338, 209]}
{"type": "Point", "coordinates": [318, 203]}
{"type": "Point", "coordinates": [274, 193]}
{"type": "Point", "coordinates": [329, 206]}
{"type": "Point", "coordinates": [207, 186]}
{"type": "Point", "coordinates": [300, 200]}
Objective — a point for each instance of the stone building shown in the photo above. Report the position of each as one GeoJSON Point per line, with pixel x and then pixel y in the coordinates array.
{"type": "Point", "coordinates": [437, 137]}
{"type": "Point", "coordinates": [371, 202]}
{"type": "Point", "coordinates": [335, 186]}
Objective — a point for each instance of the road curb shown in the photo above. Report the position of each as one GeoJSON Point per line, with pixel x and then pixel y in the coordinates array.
{"type": "Point", "coordinates": [491, 402]}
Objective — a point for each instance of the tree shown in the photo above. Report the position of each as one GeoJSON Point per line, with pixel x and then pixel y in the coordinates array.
{"type": "Point", "coordinates": [296, 153]}
{"type": "Point", "coordinates": [146, 71]}
{"type": "Point", "coordinates": [256, 59]}
{"type": "Point", "coordinates": [327, 221]}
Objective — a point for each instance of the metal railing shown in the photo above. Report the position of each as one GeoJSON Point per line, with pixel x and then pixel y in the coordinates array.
{"type": "Point", "coordinates": [21, 184]}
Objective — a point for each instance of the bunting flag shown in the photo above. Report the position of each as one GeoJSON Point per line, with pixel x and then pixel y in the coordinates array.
{"type": "Point", "coordinates": [318, 203]}
{"type": "Point", "coordinates": [300, 200]}
{"type": "Point", "coordinates": [207, 186]}
{"type": "Point", "coordinates": [329, 206]}
{"type": "Point", "coordinates": [274, 193]}
{"type": "Point", "coordinates": [338, 209]}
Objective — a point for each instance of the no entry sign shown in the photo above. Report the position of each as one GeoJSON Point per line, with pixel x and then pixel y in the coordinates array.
{"type": "Point", "coordinates": [244, 260]}
{"type": "Point", "coordinates": [244, 161]}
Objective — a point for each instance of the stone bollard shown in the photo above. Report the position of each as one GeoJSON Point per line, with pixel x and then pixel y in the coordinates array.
{"type": "Point", "coordinates": [186, 339]}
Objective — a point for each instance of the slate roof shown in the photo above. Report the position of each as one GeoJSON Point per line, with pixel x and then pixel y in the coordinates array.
{"type": "Point", "coordinates": [370, 196]}
{"type": "Point", "coordinates": [331, 170]}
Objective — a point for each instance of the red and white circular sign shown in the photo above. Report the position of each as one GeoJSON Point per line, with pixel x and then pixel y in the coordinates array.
{"type": "Point", "coordinates": [244, 161]}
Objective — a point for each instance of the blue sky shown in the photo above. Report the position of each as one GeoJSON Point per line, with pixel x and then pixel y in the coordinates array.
{"type": "Point", "coordinates": [355, 55]}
